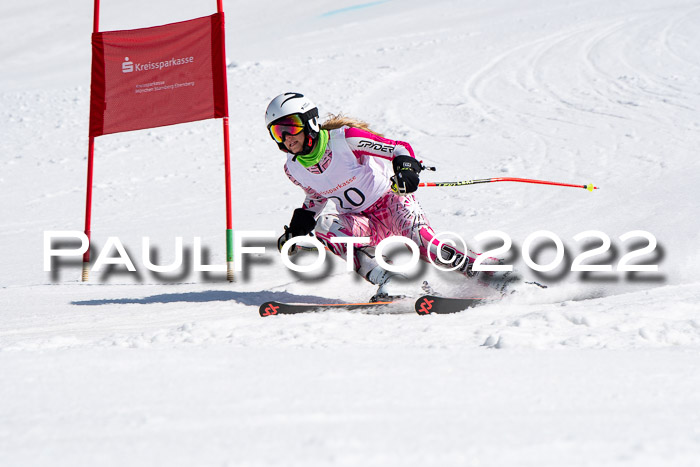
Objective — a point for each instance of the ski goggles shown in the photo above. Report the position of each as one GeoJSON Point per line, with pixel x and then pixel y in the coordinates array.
{"type": "Point", "coordinates": [292, 125]}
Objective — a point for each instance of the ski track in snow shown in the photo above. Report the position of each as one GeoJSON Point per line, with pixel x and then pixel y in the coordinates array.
{"type": "Point", "coordinates": [595, 370]}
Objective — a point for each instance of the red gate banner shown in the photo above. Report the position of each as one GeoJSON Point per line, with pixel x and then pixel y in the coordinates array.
{"type": "Point", "coordinates": [163, 75]}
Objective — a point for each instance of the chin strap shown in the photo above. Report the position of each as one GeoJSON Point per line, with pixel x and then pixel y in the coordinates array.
{"type": "Point", "coordinates": [307, 148]}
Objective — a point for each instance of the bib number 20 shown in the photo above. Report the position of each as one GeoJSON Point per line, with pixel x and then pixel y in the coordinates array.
{"type": "Point", "coordinates": [353, 198]}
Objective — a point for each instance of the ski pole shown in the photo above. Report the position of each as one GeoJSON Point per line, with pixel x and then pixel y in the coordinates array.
{"type": "Point", "coordinates": [588, 187]}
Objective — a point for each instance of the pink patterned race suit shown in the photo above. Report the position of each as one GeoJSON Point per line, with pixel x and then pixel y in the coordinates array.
{"type": "Point", "coordinates": [355, 174]}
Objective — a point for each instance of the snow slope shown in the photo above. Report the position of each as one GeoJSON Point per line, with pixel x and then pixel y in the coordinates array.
{"type": "Point", "coordinates": [147, 369]}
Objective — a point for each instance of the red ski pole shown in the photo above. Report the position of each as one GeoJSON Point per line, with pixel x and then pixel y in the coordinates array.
{"type": "Point", "coordinates": [588, 186]}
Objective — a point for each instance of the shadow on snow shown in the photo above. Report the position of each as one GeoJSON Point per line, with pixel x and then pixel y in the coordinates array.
{"type": "Point", "coordinates": [244, 298]}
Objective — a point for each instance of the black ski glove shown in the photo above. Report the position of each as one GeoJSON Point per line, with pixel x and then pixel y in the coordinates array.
{"type": "Point", "coordinates": [406, 170]}
{"type": "Point", "coordinates": [302, 223]}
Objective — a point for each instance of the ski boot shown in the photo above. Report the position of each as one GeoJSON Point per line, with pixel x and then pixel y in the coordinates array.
{"type": "Point", "coordinates": [392, 285]}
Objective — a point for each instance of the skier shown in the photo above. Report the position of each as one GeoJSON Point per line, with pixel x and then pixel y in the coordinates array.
{"type": "Point", "coordinates": [369, 178]}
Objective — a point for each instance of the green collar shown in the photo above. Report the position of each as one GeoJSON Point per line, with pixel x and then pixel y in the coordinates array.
{"type": "Point", "coordinates": [314, 157]}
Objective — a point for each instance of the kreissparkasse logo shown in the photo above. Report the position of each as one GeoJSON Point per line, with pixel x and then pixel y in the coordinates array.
{"type": "Point", "coordinates": [127, 66]}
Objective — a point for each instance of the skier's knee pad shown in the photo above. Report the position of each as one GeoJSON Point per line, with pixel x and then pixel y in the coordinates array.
{"type": "Point", "coordinates": [329, 226]}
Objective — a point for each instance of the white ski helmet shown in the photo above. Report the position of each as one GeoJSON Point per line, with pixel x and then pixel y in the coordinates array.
{"type": "Point", "coordinates": [294, 103]}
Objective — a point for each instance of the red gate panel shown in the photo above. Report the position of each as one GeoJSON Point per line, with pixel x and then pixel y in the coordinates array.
{"type": "Point", "coordinates": [163, 75]}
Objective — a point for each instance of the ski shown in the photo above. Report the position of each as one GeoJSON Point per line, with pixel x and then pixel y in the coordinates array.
{"type": "Point", "coordinates": [428, 304]}
{"type": "Point", "coordinates": [281, 308]}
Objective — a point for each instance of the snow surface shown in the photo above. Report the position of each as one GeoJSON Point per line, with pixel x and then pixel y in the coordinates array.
{"type": "Point", "coordinates": [143, 369]}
